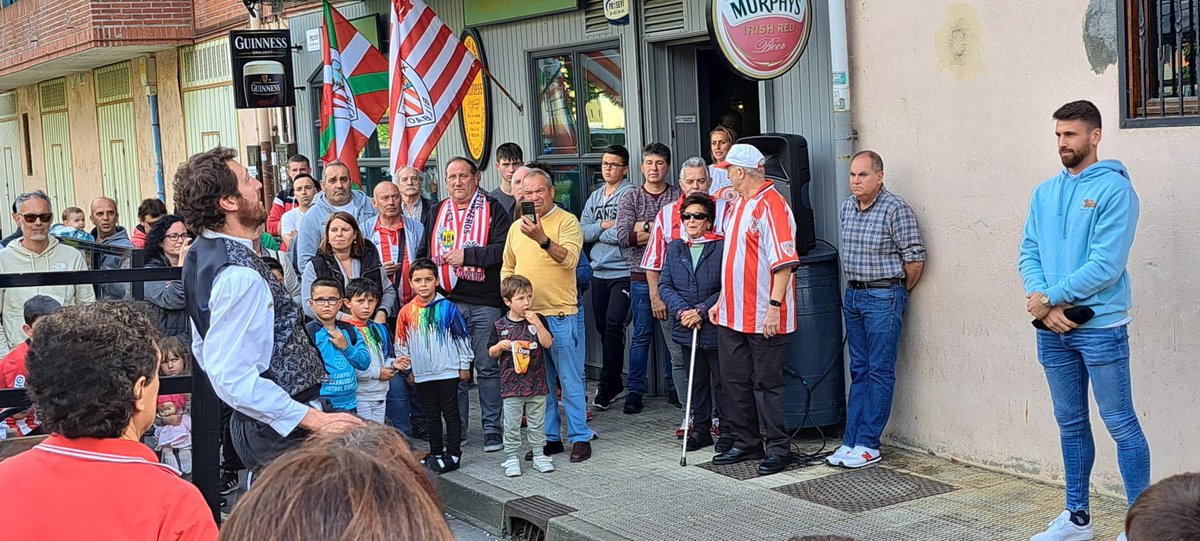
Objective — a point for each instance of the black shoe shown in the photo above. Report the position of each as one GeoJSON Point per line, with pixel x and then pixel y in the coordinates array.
{"type": "Point", "coordinates": [450, 463]}
{"type": "Point", "coordinates": [552, 448]}
{"type": "Point", "coordinates": [601, 402]}
{"type": "Point", "coordinates": [774, 464]}
{"type": "Point", "coordinates": [492, 443]}
{"type": "Point", "coordinates": [633, 403]}
{"type": "Point", "coordinates": [673, 399]}
{"type": "Point", "coordinates": [723, 445]}
{"type": "Point", "coordinates": [229, 483]}
{"type": "Point", "coordinates": [736, 455]}
{"type": "Point", "coordinates": [698, 440]}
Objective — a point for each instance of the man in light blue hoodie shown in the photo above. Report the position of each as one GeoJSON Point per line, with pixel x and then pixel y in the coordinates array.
{"type": "Point", "coordinates": [1077, 239]}
{"type": "Point", "coordinates": [610, 270]}
{"type": "Point", "coordinates": [336, 195]}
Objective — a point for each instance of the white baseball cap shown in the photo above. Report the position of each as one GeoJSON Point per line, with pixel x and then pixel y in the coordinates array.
{"type": "Point", "coordinates": [742, 155]}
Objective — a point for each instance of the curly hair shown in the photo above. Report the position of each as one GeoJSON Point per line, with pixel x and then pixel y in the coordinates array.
{"type": "Point", "coordinates": [200, 183]}
{"type": "Point", "coordinates": [158, 233]}
{"type": "Point", "coordinates": [83, 362]}
{"type": "Point", "coordinates": [360, 484]}
{"type": "Point", "coordinates": [357, 246]}
{"type": "Point", "coordinates": [703, 200]}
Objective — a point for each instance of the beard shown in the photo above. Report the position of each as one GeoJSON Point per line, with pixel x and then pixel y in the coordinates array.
{"type": "Point", "coordinates": [251, 214]}
{"type": "Point", "coordinates": [1075, 158]}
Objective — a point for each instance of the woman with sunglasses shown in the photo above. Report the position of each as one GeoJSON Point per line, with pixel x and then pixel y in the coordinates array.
{"type": "Point", "coordinates": [167, 245]}
{"type": "Point", "coordinates": [689, 285]}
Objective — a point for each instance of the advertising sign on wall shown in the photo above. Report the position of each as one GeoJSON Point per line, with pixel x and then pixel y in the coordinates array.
{"type": "Point", "coordinates": [262, 68]}
{"type": "Point", "coordinates": [617, 11]}
{"type": "Point", "coordinates": [481, 12]}
{"type": "Point", "coordinates": [475, 117]}
{"type": "Point", "coordinates": [760, 40]}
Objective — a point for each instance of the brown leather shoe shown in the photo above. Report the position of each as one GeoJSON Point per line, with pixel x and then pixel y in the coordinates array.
{"type": "Point", "coordinates": [581, 451]}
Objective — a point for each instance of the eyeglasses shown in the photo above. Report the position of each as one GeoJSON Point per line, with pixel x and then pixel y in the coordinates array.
{"type": "Point", "coordinates": [30, 218]}
{"type": "Point", "coordinates": [693, 216]}
{"type": "Point", "coordinates": [326, 301]}
{"type": "Point", "coordinates": [611, 165]}
{"type": "Point", "coordinates": [176, 237]}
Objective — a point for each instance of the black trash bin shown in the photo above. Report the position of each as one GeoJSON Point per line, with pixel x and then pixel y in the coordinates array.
{"type": "Point", "coordinates": [815, 359]}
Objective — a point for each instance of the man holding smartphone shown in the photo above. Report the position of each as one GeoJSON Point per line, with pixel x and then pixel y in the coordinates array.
{"type": "Point", "coordinates": [544, 246]}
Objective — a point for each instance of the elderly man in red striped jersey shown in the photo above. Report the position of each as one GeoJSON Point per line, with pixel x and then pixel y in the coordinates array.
{"type": "Point", "coordinates": [755, 313]}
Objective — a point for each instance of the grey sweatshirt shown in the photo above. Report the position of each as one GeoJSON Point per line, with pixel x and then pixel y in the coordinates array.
{"type": "Point", "coordinates": [312, 225]}
{"type": "Point", "coordinates": [640, 206]}
{"type": "Point", "coordinates": [609, 259]}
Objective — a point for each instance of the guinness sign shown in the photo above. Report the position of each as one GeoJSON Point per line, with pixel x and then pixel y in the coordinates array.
{"type": "Point", "coordinates": [262, 68]}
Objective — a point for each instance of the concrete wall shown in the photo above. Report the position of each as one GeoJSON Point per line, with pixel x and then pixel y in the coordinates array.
{"type": "Point", "coordinates": [957, 97]}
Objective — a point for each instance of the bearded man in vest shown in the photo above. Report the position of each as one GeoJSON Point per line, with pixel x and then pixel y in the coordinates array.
{"type": "Point", "coordinates": [247, 332]}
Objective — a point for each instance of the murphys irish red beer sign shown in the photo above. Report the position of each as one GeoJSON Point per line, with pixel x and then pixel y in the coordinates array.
{"type": "Point", "coordinates": [761, 39]}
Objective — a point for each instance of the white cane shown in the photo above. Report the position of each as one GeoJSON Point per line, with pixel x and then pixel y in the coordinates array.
{"type": "Point", "coordinates": [687, 409]}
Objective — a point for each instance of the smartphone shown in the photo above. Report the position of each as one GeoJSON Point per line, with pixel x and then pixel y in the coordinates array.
{"type": "Point", "coordinates": [528, 210]}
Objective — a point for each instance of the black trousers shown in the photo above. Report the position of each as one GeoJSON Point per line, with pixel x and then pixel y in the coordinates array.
{"type": "Point", "coordinates": [230, 462]}
{"type": "Point", "coordinates": [440, 400]}
{"type": "Point", "coordinates": [257, 443]}
{"type": "Point", "coordinates": [610, 308]}
{"type": "Point", "coordinates": [752, 381]}
{"type": "Point", "coordinates": [706, 387]}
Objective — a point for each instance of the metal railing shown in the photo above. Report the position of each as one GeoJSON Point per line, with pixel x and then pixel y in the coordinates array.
{"type": "Point", "coordinates": [1161, 48]}
{"type": "Point", "coordinates": [206, 407]}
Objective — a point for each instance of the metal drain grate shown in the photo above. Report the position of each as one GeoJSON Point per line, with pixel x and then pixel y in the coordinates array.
{"type": "Point", "coordinates": [866, 489]}
{"type": "Point", "coordinates": [528, 518]}
{"type": "Point", "coordinates": [740, 471]}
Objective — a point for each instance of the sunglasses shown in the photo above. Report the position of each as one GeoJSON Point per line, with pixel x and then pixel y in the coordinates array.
{"type": "Point", "coordinates": [30, 218]}
{"type": "Point", "coordinates": [693, 216]}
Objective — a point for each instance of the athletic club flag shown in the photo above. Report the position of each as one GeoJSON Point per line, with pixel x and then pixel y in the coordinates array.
{"type": "Point", "coordinates": [430, 73]}
{"type": "Point", "coordinates": [354, 98]}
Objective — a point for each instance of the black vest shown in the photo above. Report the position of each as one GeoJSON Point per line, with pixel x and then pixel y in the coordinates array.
{"type": "Point", "coordinates": [295, 365]}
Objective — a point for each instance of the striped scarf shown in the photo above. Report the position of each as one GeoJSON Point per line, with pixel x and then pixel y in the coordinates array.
{"type": "Point", "coordinates": [390, 244]}
{"type": "Point", "coordinates": [457, 230]}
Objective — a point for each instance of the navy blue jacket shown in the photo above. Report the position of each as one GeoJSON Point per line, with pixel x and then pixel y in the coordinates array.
{"type": "Point", "coordinates": [682, 288]}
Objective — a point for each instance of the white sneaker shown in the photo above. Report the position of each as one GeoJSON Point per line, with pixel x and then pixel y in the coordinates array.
{"type": "Point", "coordinates": [860, 456]}
{"type": "Point", "coordinates": [1062, 529]}
{"type": "Point", "coordinates": [839, 456]}
{"type": "Point", "coordinates": [512, 467]}
{"type": "Point", "coordinates": [543, 463]}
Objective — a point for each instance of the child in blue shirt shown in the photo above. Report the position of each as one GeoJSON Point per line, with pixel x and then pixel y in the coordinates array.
{"type": "Point", "coordinates": [362, 299]}
{"type": "Point", "coordinates": [340, 347]}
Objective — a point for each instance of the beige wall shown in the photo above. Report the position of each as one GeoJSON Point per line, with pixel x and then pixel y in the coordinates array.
{"type": "Point", "coordinates": [85, 149]}
{"type": "Point", "coordinates": [170, 118]}
{"type": "Point", "coordinates": [957, 98]}
{"type": "Point", "coordinates": [27, 104]}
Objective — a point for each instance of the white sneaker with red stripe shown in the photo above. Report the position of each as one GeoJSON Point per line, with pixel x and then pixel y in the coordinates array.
{"type": "Point", "coordinates": [860, 456]}
{"type": "Point", "coordinates": [839, 455]}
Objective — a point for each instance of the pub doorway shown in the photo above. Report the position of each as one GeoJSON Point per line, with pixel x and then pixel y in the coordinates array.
{"type": "Point", "coordinates": [706, 93]}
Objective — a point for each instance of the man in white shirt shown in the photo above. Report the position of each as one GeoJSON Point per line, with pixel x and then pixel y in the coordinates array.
{"type": "Point", "coordinates": [305, 187]}
{"type": "Point", "coordinates": [247, 332]}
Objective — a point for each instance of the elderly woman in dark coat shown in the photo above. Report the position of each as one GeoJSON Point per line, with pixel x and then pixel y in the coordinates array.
{"type": "Point", "coordinates": [689, 285]}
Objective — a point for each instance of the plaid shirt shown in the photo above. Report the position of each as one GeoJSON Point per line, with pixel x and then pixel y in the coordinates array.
{"type": "Point", "coordinates": [878, 241]}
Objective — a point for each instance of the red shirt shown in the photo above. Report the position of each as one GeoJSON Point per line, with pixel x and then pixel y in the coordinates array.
{"type": "Point", "coordinates": [100, 489]}
{"type": "Point", "coordinates": [14, 374]}
{"type": "Point", "coordinates": [760, 238]}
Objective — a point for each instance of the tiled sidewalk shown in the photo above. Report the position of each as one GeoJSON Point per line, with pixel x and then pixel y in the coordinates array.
{"type": "Point", "coordinates": [634, 488]}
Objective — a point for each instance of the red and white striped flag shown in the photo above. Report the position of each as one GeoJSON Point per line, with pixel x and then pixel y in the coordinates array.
{"type": "Point", "coordinates": [431, 71]}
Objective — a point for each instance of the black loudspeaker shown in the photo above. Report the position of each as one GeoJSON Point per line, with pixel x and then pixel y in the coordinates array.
{"type": "Point", "coordinates": [787, 164]}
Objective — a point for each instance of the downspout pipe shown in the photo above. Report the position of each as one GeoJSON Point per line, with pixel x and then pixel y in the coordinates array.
{"type": "Point", "coordinates": [843, 132]}
{"type": "Point", "coordinates": [150, 83]}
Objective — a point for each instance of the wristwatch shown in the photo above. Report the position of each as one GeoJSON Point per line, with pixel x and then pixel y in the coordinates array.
{"type": "Point", "coordinates": [776, 303]}
{"type": "Point", "coordinates": [645, 227]}
{"type": "Point", "coordinates": [545, 245]}
{"type": "Point", "coordinates": [1045, 300]}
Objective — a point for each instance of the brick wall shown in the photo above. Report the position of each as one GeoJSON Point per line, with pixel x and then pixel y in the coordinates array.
{"type": "Point", "coordinates": [217, 16]}
{"type": "Point", "coordinates": [37, 31]}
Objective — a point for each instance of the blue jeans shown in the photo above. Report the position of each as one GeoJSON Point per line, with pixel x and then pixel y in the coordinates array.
{"type": "Point", "coordinates": [398, 406]}
{"type": "Point", "coordinates": [1101, 355]}
{"type": "Point", "coordinates": [873, 321]}
{"type": "Point", "coordinates": [480, 322]}
{"type": "Point", "coordinates": [642, 338]}
{"type": "Point", "coordinates": [565, 366]}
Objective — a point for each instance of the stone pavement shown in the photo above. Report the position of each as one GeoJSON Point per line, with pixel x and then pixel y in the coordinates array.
{"type": "Point", "coordinates": [634, 488]}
